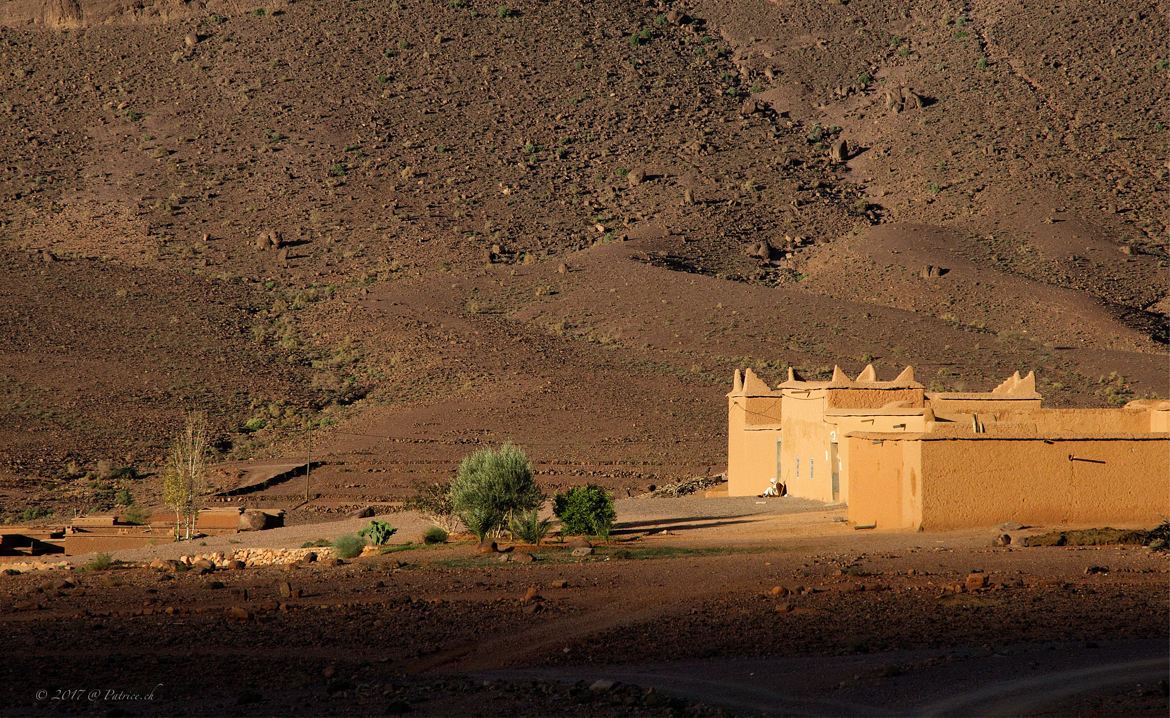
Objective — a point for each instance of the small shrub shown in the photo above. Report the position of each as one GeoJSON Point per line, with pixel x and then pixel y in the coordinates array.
{"type": "Point", "coordinates": [101, 562]}
{"type": "Point", "coordinates": [585, 510]}
{"type": "Point", "coordinates": [378, 532]}
{"type": "Point", "coordinates": [135, 515]}
{"type": "Point", "coordinates": [348, 546]}
{"type": "Point", "coordinates": [504, 11]}
{"type": "Point", "coordinates": [317, 543]}
{"type": "Point", "coordinates": [33, 514]}
{"type": "Point", "coordinates": [337, 170]}
{"type": "Point", "coordinates": [434, 535]}
{"type": "Point", "coordinates": [123, 497]}
{"type": "Point", "coordinates": [433, 501]}
{"type": "Point", "coordinates": [641, 37]}
{"type": "Point", "coordinates": [256, 423]}
{"type": "Point", "coordinates": [530, 527]}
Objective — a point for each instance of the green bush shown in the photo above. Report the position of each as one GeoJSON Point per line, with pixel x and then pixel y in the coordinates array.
{"type": "Point", "coordinates": [434, 535]}
{"type": "Point", "coordinates": [123, 497]}
{"type": "Point", "coordinates": [135, 515]}
{"type": "Point", "coordinates": [491, 486]}
{"type": "Point", "coordinates": [101, 562]}
{"type": "Point", "coordinates": [317, 543]}
{"type": "Point", "coordinates": [348, 546]}
{"type": "Point", "coordinates": [529, 527]}
{"type": "Point", "coordinates": [585, 510]}
{"type": "Point", "coordinates": [377, 532]}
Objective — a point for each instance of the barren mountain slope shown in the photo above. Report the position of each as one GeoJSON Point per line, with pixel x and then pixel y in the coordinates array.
{"type": "Point", "coordinates": [562, 224]}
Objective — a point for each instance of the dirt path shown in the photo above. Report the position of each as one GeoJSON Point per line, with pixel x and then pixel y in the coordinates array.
{"type": "Point", "coordinates": [1013, 680]}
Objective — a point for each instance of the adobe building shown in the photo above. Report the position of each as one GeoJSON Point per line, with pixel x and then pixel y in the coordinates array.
{"type": "Point", "coordinates": [905, 458]}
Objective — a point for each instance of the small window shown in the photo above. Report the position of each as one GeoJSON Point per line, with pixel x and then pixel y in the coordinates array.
{"type": "Point", "coordinates": [810, 467]}
{"type": "Point", "coordinates": [798, 467]}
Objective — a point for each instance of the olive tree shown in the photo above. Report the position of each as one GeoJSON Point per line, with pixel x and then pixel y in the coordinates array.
{"type": "Point", "coordinates": [492, 485]}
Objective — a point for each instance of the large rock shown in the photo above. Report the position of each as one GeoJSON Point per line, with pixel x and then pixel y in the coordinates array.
{"type": "Point", "coordinates": [253, 520]}
{"type": "Point", "coordinates": [582, 551]}
{"type": "Point", "coordinates": [487, 547]}
{"type": "Point", "coordinates": [839, 152]}
{"type": "Point", "coordinates": [202, 565]}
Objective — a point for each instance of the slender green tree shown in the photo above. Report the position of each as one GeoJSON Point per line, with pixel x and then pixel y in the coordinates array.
{"type": "Point", "coordinates": [185, 480]}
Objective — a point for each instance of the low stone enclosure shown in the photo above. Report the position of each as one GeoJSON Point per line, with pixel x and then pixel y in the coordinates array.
{"type": "Point", "coordinates": [107, 532]}
{"type": "Point", "coordinates": [905, 458]}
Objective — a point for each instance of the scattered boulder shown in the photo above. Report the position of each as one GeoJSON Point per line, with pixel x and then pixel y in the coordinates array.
{"type": "Point", "coordinates": [912, 100]}
{"type": "Point", "coordinates": [191, 40]}
{"type": "Point", "coordinates": [930, 271]}
{"type": "Point", "coordinates": [560, 583]}
{"type": "Point", "coordinates": [522, 557]}
{"type": "Point", "coordinates": [239, 613]}
{"type": "Point", "coordinates": [677, 17]}
{"type": "Point", "coordinates": [532, 594]}
{"type": "Point", "coordinates": [487, 547]}
{"type": "Point", "coordinates": [562, 268]}
{"type": "Point", "coordinates": [578, 542]}
{"type": "Point", "coordinates": [636, 177]}
{"type": "Point", "coordinates": [1091, 570]}
{"type": "Point", "coordinates": [202, 565]}
{"type": "Point", "coordinates": [893, 101]}
{"type": "Point", "coordinates": [750, 107]}
{"type": "Point", "coordinates": [762, 251]}
{"type": "Point", "coordinates": [310, 557]}
{"type": "Point", "coordinates": [253, 520]}
{"type": "Point", "coordinates": [268, 239]}
{"type": "Point", "coordinates": [602, 684]}
{"type": "Point", "coordinates": [839, 152]}
{"type": "Point", "coordinates": [236, 565]}
{"type": "Point", "coordinates": [1003, 540]}
{"type": "Point", "coordinates": [975, 581]}
{"type": "Point", "coordinates": [363, 513]}
{"type": "Point", "coordinates": [582, 551]}
{"type": "Point", "coordinates": [779, 591]}
{"type": "Point", "coordinates": [784, 607]}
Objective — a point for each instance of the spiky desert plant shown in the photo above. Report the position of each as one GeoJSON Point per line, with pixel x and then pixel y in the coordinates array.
{"type": "Point", "coordinates": [529, 527]}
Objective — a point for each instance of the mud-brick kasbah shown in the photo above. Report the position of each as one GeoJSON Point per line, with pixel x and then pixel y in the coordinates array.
{"type": "Point", "coordinates": [902, 457]}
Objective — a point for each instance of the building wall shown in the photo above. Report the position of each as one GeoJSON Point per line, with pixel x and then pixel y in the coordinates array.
{"type": "Point", "coordinates": [751, 452]}
{"type": "Point", "coordinates": [853, 397]}
{"type": "Point", "coordinates": [982, 482]}
{"type": "Point", "coordinates": [805, 444]}
{"type": "Point", "coordinates": [985, 482]}
{"type": "Point", "coordinates": [846, 424]}
{"type": "Point", "coordinates": [885, 487]}
{"type": "Point", "coordinates": [985, 404]}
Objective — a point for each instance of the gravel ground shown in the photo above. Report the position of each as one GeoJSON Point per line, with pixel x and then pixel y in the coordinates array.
{"type": "Point", "coordinates": [634, 516]}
